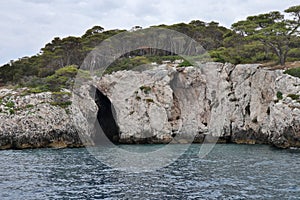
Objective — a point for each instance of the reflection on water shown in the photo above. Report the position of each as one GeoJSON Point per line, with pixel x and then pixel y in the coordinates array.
{"type": "Point", "coordinates": [228, 172]}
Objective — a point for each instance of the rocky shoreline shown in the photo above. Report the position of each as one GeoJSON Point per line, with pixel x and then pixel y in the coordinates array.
{"type": "Point", "coordinates": [242, 104]}
{"type": "Point", "coordinates": [35, 120]}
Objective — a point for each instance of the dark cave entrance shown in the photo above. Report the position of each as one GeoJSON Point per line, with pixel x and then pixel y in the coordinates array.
{"type": "Point", "coordinates": [106, 127]}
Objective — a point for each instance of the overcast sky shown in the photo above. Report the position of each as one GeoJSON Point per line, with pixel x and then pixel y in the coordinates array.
{"type": "Point", "coordinates": [27, 25]}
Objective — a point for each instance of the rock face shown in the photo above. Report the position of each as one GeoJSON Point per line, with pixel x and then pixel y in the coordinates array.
{"type": "Point", "coordinates": [240, 104]}
{"type": "Point", "coordinates": [35, 120]}
{"type": "Point", "coordinates": [235, 103]}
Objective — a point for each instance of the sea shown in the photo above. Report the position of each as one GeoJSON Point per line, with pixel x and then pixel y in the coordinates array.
{"type": "Point", "coordinates": [228, 171]}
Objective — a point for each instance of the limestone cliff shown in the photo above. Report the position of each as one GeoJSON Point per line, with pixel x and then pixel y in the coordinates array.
{"type": "Point", "coordinates": [240, 104]}
{"type": "Point", "coordinates": [36, 120]}
{"type": "Point", "coordinates": [235, 103]}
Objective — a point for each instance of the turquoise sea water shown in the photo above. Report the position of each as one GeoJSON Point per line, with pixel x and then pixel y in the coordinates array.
{"type": "Point", "coordinates": [228, 172]}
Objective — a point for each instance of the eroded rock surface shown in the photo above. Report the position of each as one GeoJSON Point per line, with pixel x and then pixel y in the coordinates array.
{"type": "Point", "coordinates": [237, 104]}
{"type": "Point", "coordinates": [36, 120]}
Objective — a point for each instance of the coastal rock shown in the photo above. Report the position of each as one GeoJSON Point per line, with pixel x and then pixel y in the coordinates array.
{"type": "Point", "coordinates": [35, 120]}
{"type": "Point", "coordinates": [238, 104]}
{"type": "Point", "coordinates": [233, 103]}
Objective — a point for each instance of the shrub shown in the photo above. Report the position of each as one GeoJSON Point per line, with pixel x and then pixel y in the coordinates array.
{"type": "Point", "coordinates": [38, 89]}
{"type": "Point", "coordinates": [83, 75]}
{"type": "Point", "coordinates": [279, 95]}
{"type": "Point", "coordinates": [160, 59]}
{"type": "Point", "coordinates": [293, 96]}
{"type": "Point", "coordinates": [293, 72]}
{"type": "Point", "coordinates": [294, 54]}
{"type": "Point", "coordinates": [124, 63]}
{"type": "Point", "coordinates": [185, 63]}
{"type": "Point", "coordinates": [63, 78]}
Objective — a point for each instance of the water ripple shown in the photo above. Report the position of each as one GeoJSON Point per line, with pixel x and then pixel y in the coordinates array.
{"type": "Point", "coordinates": [228, 172]}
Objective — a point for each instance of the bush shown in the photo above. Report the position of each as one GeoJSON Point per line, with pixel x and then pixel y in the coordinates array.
{"type": "Point", "coordinates": [293, 72]}
{"type": "Point", "coordinates": [293, 96]}
{"type": "Point", "coordinates": [279, 95]}
{"type": "Point", "coordinates": [160, 59]}
{"type": "Point", "coordinates": [124, 63]}
{"type": "Point", "coordinates": [39, 89]}
{"type": "Point", "coordinates": [185, 63]}
{"type": "Point", "coordinates": [294, 54]}
{"type": "Point", "coordinates": [63, 78]}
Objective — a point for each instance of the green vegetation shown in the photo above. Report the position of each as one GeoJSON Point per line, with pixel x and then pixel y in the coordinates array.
{"type": "Point", "coordinates": [293, 72]}
{"type": "Point", "coordinates": [185, 64]}
{"type": "Point", "coordinates": [145, 89]}
{"type": "Point", "coordinates": [10, 104]}
{"type": "Point", "coordinates": [160, 59]}
{"type": "Point", "coordinates": [62, 77]}
{"type": "Point", "coordinates": [11, 111]}
{"type": "Point", "coordinates": [279, 95]}
{"type": "Point", "coordinates": [38, 89]}
{"type": "Point", "coordinates": [29, 106]}
{"type": "Point", "coordinates": [293, 96]}
{"type": "Point", "coordinates": [64, 104]}
{"type": "Point", "coordinates": [124, 63]}
{"type": "Point", "coordinates": [265, 38]}
{"type": "Point", "coordinates": [278, 34]}
{"type": "Point", "coordinates": [61, 99]}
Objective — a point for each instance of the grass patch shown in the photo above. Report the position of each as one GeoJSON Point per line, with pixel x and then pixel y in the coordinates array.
{"type": "Point", "coordinates": [61, 104]}
{"type": "Point", "coordinates": [62, 93]}
{"type": "Point", "coordinates": [10, 104]}
{"type": "Point", "coordinates": [29, 106]}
